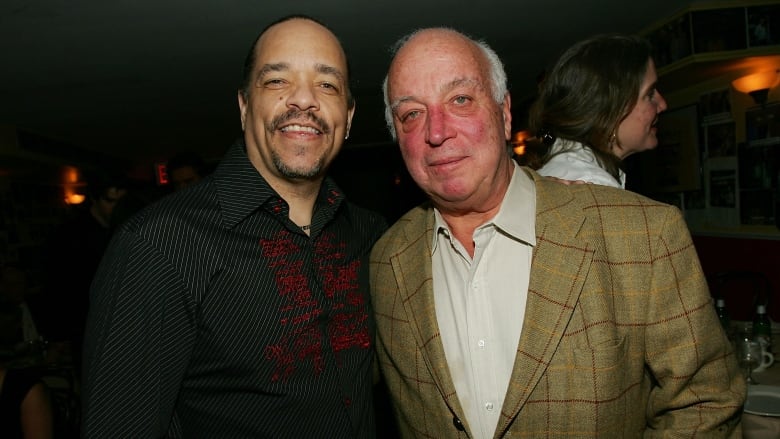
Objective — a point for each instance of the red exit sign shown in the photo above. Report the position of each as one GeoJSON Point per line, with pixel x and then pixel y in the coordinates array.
{"type": "Point", "coordinates": [161, 173]}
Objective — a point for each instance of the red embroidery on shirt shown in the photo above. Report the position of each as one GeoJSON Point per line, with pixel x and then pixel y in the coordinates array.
{"type": "Point", "coordinates": [293, 348]}
{"type": "Point", "coordinates": [301, 312]}
{"type": "Point", "coordinates": [349, 328]}
{"type": "Point", "coordinates": [347, 331]}
{"type": "Point", "coordinates": [281, 246]}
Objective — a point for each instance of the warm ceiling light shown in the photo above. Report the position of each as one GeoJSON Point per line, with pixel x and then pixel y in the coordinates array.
{"type": "Point", "coordinates": [71, 184]}
{"type": "Point", "coordinates": [74, 198]}
{"type": "Point", "coordinates": [518, 138]}
{"type": "Point", "coordinates": [518, 142]}
{"type": "Point", "coordinates": [757, 85]}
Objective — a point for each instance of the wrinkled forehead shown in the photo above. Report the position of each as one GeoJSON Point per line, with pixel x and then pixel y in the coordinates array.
{"type": "Point", "coordinates": [436, 61]}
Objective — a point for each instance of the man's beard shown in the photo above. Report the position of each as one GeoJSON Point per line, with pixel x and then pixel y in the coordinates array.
{"type": "Point", "coordinates": [291, 173]}
{"type": "Point", "coordinates": [322, 126]}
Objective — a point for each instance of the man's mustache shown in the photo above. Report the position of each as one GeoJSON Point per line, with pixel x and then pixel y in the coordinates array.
{"type": "Point", "coordinates": [298, 115]}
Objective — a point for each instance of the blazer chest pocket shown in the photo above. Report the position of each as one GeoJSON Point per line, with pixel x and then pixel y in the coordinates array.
{"type": "Point", "coordinates": [604, 356]}
{"type": "Point", "coordinates": [593, 387]}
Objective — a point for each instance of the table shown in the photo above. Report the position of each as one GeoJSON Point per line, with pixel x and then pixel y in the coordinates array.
{"type": "Point", "coordinates": [763, 427]}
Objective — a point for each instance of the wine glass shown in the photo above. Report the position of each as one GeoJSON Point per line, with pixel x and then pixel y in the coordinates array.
{"type": "Point", "coordinates": [749, 354]}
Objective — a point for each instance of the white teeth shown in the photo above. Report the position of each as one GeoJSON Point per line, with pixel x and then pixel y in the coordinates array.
{"type": "Point", "coordinates": [300, 128]}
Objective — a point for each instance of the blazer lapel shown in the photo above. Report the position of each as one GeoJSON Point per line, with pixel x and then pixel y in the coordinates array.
{"type": "Point", "coordinates": [558, 270]}
{"type": "Point", "coordinates": [413, 275]}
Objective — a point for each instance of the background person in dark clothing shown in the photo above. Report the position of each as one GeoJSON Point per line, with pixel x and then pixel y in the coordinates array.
{"type": "Point", "coordinates": [73, 254]}
{"type": "Point", "coordinates": [185, 169]}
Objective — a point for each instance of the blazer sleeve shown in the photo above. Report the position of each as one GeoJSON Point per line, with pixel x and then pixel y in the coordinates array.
{"type": "Point", "coordinates": [700, 391]}
{"type": "Point", "coordinates": [140, 333]}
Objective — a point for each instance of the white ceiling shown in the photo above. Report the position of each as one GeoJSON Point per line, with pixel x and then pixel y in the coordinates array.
{"type": "Point", "coordinates": [140, 79]}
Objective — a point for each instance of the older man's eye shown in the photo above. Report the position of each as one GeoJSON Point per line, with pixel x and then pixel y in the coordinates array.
{"type": "Point", "coordinates": [460, 100]}
{"type": "Point", "coordinates": [409, 115]}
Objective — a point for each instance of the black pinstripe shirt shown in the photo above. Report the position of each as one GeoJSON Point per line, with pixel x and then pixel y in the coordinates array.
{"type": "Point", "coordinates": [212, 315]}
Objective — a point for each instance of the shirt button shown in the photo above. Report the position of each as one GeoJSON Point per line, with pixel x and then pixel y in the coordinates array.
{"type": "Point", "coordinates": [489, 406]}
{"type": "Point", "coordinates": [481, 343]}
{"type": "Point", "coordinates": [458, 425]}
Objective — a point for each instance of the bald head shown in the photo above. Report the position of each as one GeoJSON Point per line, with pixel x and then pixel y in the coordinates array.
{"type": "Point", "coordinates": [448, 109]}
{"type": "Point", "coordinates": [251, 57]}
{"type": "Point", "coordinates": [423, 43]}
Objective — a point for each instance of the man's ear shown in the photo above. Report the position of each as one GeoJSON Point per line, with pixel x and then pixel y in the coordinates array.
{"type": "Point", "coordinates": [242, 105]}
{"type": "Point", "coordinates": [506, 109]}
{"type": "Point", "coordinates": [350, 114]}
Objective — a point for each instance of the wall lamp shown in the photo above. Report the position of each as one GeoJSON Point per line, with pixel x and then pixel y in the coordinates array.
{"type": "Point", "coordinates": [518, 142]}
{"type": "Point", "coordinates": [757, 85]}
{"type": "Point", "coordinates": [73, 185]}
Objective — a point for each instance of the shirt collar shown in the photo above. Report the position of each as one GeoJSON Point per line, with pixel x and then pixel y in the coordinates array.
{"type": "Point", "coordinates": [241, 190]}
{"type": "Point", "coordinates": [516, 217]}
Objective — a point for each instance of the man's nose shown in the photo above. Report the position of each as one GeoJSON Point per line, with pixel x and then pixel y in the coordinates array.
{"type": "Point", "coordinates": [303, 98]}
{"type": "Point", "coordinates": [438, 128]}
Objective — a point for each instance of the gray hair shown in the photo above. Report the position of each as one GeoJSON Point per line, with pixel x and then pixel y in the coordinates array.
{"type": "Point", "coordinates": [498, 81]}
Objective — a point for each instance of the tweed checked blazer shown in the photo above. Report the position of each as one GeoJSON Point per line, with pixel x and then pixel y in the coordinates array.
{"type": "Point", "coordinates": [620, 338]}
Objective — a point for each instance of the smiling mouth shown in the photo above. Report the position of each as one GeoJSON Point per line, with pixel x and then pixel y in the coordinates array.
{"type": "Point", "coordinates": [446, 161]}
{"type": "Point", "coordinates": [301, 122]}
{"type": "Point", "coordinates": [300, 129]}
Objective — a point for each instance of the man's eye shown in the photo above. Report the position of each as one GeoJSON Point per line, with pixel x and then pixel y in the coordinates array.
{"type": "Point", "coordinates": [273, 82]}
{"type": "Point", "coordinates": [330, 87]}
{"type": "Point", "coordinates": [461, 100]}
{"type": "Point", "coordinates": [410, 115]}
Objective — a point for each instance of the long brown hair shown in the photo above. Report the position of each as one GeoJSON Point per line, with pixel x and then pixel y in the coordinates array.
{"type": "Point", "coordinates": [593, 86]}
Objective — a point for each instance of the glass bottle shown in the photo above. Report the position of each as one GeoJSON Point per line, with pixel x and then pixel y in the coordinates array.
{"type": "Point", "coordinates": [723, 316]}
{"type": "Point", "coordinates": [762, 327]}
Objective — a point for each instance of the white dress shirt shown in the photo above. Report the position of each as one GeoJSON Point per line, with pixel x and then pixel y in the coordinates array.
{"type": "Point", "coordinates": [480, 302]}
{"type": "Point", "coordinates": [578, 162]}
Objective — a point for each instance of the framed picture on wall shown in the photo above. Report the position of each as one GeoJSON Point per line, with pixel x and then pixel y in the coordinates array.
{"type": "Point", "coordinates": [723, 188]}
{"type": "Point", "coordinates": [763, 24]}
{"type": "Point", "coordinates": [721, 139]}
{"type": "Point", "coordinates": [762, 123]}
{"type": "Point", "coordinates": [759, 167]}
{"type": "Point", "coordinates": [718, 30]}
{"type": "Point", "coordinates": [672, 41]}
{"type": "Point", "coordinates": [715, 106]}
{"type": "Point", "coordinates": [722, 196]}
